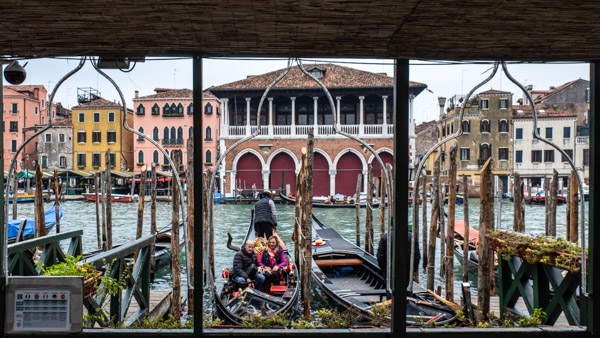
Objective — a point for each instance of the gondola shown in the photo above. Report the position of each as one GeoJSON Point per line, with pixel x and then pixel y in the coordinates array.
{"type": "Point", "coordinates": [29, 229]}
{"type": "Point", "coordinates": [319, 204]}
{"type": "Point", "coordinates": [459, 231]}
{"type": "Point", "coordinates": [235, 302]}
{"type": "Point", "coordinates": [351, 277]}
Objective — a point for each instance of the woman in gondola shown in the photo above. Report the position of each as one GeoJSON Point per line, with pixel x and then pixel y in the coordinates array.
{"type": "Point", "coordinates": [273, 263]}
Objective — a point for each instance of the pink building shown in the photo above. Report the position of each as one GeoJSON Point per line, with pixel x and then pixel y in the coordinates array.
{"type": "Point", "coordinates": [167, 117]}
{"type": "Point", "coordinates": [24, 109]}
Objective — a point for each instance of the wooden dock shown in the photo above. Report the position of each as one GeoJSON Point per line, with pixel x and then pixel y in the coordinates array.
{"type": "Point", "coordinates": [520, 306]}
{"type": "Point", "coordinates": [160, 302]}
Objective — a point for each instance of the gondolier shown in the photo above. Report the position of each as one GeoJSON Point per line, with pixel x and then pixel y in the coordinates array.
{"type": "Point", "coordinates": [265, 215]}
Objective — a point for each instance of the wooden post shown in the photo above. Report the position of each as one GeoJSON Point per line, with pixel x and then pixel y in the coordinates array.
{"type": "Point", "coordinates": [450, 230]}
{"type": "Point", "coordinates": [40, 217]}
{"type": "Point", "coordinates": [56, 200]}
{"type": "Point", "coordinates": [189, 247]}
{"type": "Point", "coordinates": [390, 198]}
{"type": "Point", "coordinates": [433, 227]}
{"type": "Point", "coordinates": [175, 252]}
{"type": "Point", "coordinates": [486, 221]}
{"type": "Point", "coordinates": [573, 212]}
{"type": "Point", "coordinates": [441, 226]}
{"type": "Point", "coordinates": [307, 226]}
{"type": "Point", "coordinates": [97, 180]}
{"type": "Point", "coordinates": [15, 194]}
{"type": "Point", "coordinates": [103, 204]}
{"type": "Point", "coordinates": [528, 190]}
{"type": "Point", "coordinates": [466, 233]}
{"type": "Point", "coordinates": [141, 196]}
{"type": "Point", "coordinates": [382, 194]}
{"type": "Point", "coordinates": [300, 179]}
{"type": "Point", "coordinates": [357, 207]}
{"type": "Point", "coordinates": [547, 205]}
{"type": "Point", "coordinates": [551, 210]}
{"type": "Point", "coordinates": [519, 204]}
{"type": "Point", "coordinates": [108, 185]}
{"type": "Point", "coordinates": [369, 212]}
{"type": "Point", "coordinates": [153, 212]}
{"type": "Point", "coordinates": [424, 220]}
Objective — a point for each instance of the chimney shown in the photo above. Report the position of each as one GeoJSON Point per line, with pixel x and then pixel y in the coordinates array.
{"type": "Point", "coordinates": [529, 89]}
{"type": "Point", "coordinates": [137, 94]}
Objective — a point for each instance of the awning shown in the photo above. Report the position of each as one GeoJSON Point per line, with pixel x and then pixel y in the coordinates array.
{"type": "Point", "coordinates": [81, 173]}
{"type": "Point", "coordinates": [164, 173]}
{"type": "Point", "coordinates": [26, 174]}
{"type": "Point", "coordinates": [123, 174]}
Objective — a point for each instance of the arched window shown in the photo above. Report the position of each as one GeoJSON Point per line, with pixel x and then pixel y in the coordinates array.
{"type": "Point", "coordinates": [155, 157]}
{"type": "Point", "coordinates": [485, 126]}
{"type": "Point", "coordinates": [180, 109]}
{"type": "Point", "coordinates": [166, 109]}
{"type": "Point", "coordinates": [485, 151]}
{"type": "Point", "coordinates": [191, 132]}
{"type": "Point", "coordinates": [166, 134]}
{"type": "Point", "coordinates": [155, 134]}
{"type": "Point", "coordinates": [503, 126]}
{"type": "Point", "coordinates": [140, 109]}
{"type": "Point", "coordinates": [190, 109]}
{"type": "Point", "coordinates": [173, 109]}
{"type": "Point", "coordinates": [155, 109]}
{"type": "Point", "coordinates": [140, 157]}
{"type": "Point", "coordinates": [173, 134]}
{"type": "Point", "coordinates": [166, 158]}
{"type": "Point", "coordinates": [466, 126]}
{"type": "Point", "coordinates": [208, 109]}
{"type": "Point", "coordinates": [179, 135]}
{"type": "Point", "coordinates": [140, 138]}
{"type": "Point", "coordinates": [208, 157]}
{"type": "Point", "coordinates": [207, 134]}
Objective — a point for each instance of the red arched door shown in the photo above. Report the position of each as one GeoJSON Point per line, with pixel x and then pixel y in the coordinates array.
{"type": "Point", "coordinates": [348, 168]}
{"type": "Point", "coordinates": [248, 172]}
{"type": "Point", "coordinates": [283, 169]}
{"type": "Point", "coordinates": [320, 175]}
{"type": "Point", "coordinates": [386, 158]}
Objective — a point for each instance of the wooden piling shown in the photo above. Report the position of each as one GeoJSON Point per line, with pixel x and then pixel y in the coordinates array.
{"type": "Point", "coordinates": [307, 226]}
{"type": "Point", "coordinates": [573, 211]}
{"type": "Point", "coordinates": [357, 208]}
{"type": "Point", "coordinates": [56, 200]}
{"type": "Point", "coordinates": [97, 180]}
{"type": "Point", "coordinates": [300, 178]}
{"type": "Point", "coordinates": [108, 184]}
{"type": "Point", "coordinates": [433, 227]}
{"type": "Point", "coordinates": [424, 220]}
{"type": "Point", "coordinates": [390, 198]}
{"type": "Point", "coordinates": [441, 226]}
{"type": "Point", "coordinates": [103, 207]}
{"type": "Point", "coordinates": [518, 204]}
{"type": "Point", "coordinates": [465, 262]}
{"type": "Point", "coordinates": [15, 194]}
{"type": "Point", "coordinates": [40, 217]}
{"type": "Point", "coordinates": [369, 211]}
{"type": "Point", "coordinates": [382, 190]}
{"type": "Point", "coordinates": [153, 212]}
{"type": "Point", "coordinates": [141, 196]}
{"type": "Point", "coordinates": [189, 246]}
{"type": "Point", "coordinates": [551, 205]}
{"type": "Point", "coordinates": [175, 252]}
{"type": "Point", "coordinates": [449, 259]}
{"type": "Point", "coordinates": [486, 222]}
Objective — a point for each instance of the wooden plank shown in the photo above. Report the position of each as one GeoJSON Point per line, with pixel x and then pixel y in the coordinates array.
{"type": "Point", "coordinates": [338, 262]}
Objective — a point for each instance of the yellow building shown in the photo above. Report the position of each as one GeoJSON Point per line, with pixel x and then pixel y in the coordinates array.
{"type": "Point", "coordinates": [98, 127]}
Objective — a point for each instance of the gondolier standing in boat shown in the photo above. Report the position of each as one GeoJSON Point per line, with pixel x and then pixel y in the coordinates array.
{"type": "Point", "coordinates": [245, 266]}
{"type": "Point", "coordinates": [265, 215]}
{"type": "Point", "coordinates": [382, 252]}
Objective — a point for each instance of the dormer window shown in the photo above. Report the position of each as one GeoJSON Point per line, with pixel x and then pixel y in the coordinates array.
{"type": "Point", "coordinates": [317, 72]}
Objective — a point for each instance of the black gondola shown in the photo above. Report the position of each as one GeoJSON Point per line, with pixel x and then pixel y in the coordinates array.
{"type": "Point", "coordinates": [350, 276]}
{"type": "Point", "coordinates": [234, 302]}
{"type": "Point", "coordinates": [316, 204]}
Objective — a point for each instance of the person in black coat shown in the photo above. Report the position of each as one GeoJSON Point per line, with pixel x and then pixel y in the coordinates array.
{"type": "Point", "coordinates": [382, 252]}
{"type": "Point", "coordinates": [245, 266]}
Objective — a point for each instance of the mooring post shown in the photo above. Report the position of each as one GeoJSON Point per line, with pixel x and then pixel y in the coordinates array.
{"type": "Point", "coordinates": [15, 194]}
{"type": "Point", "coordinates": [382, 189]}
{"type": "Point", "coordinates": [153, 212]}
{"type": "Point", "coordinates": [466, 232]}
{"type": "Point", "coordinates": [369, 211]}
{"type": "Point", "coordinates": [175, 252]}
{"type": "Point", "coordinates": [449, 259]}
{"type": "Point", "coordinates": [307, 224]}
{"type": "Point", "coordinates": [518, 204]}
{"type": "Point", "coordinates": [424, 221]}
{"type": "Point", "coordinates": [40, 217]}
{"type": "Point", "coordinates": [296, 236]}
{"type": "Point", "coordinates": [108, 201]}
{"type": "Point", "coordinates": [357, 208]}
{"type": "Point", "coordinates": [103, 207]}
{"type": "Point", "coordinates": [573, 211]}
{"type": "Point", "coordinates": [189, 246]}
{"type": "Point", "coordinates": [141, 196]}
{"type": "Point", "coordinates": [433, 227]}
{"type": "Point", "coordinates": [553, 194]}
{"type": "Point", "coordinates": [56, 200]}
{"type": "Point", "coordinates": [486, 222]}
{"type": "Point", "coordinates": [97, 180]}
{"type": "Point", "coordinates": [441, 226]}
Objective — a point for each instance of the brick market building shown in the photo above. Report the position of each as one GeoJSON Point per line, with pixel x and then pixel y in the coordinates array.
{"type": "Point", "coordinates": [294, 106]}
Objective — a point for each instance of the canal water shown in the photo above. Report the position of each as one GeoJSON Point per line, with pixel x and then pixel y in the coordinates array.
{"type": "Point", "coordinates": [234, 218]}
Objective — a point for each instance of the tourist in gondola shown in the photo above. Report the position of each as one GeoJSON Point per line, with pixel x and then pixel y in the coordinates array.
{"type": "Point", "coordinates": [273, 263]}
{"type": "Point", "coordinates": [265, 215]}
{"type": "Point", "coordinates": [245, 266]}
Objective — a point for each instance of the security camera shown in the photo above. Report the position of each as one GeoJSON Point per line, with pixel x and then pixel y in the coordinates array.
{"type": "Point", "coordinates": [15, 73]}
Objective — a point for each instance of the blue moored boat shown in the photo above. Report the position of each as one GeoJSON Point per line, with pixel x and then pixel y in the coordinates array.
{"type": "Point", "coordinates": [28, 231]}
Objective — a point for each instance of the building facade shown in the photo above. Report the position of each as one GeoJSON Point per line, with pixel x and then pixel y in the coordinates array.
{"type": "Point", "coordinates": [486, 124]}
{"type": "Point", "coordinates": [363, 104]}
{"type": "Point", "coordinates": [98, 127]}
{"type": "Point", "coordinates": [55, 146]}
{"type": "Point", "coordinates": [167, 117]}
{"type": "Point", "coordinates": [24, 111]}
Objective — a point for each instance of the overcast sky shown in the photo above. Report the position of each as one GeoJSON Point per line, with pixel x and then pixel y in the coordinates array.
{"type": "Point", "coordinates": [442, 78]}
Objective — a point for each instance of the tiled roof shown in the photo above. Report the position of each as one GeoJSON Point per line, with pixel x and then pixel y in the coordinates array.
{"type": "Point", "coordinates": [11, 92]}
{"type": "Point", "coordinates": [167, 93]}
{"type": "Point", "coordinates": [98, 103]}
{"type": "Point", "coordinates": [547, 111]}
{"type": "Point", "coordinates": [29, 88]}
{"type": "Point", "coordinates": [335, 77]}
{"type": "Point", "coordinates": [493, 91]}
{"type": "Point", "coordinates": [424, 126]}
{"type": "Point", "coordinates": [65, 121]}
{"type": "Point", "coordinates": [556, 90]}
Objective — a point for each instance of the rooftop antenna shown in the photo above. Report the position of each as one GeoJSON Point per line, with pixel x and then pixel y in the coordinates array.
{"type": "Point", "coordinates": [174, 70]}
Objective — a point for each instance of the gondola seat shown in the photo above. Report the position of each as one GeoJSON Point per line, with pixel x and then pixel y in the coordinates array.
{"type": "Point", "coordinates": [277, 290]}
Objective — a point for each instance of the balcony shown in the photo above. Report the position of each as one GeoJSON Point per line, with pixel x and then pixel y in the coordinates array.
{"type": "Point", "coordinates": [172, 142]}
{"type": "Point", "coordinates": [172, 114]}
{"type": "Point", "coordinates": [582, 140]}
{"type": "Point", "coordinates": [301, 131]}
